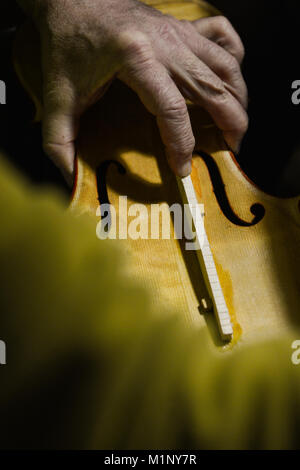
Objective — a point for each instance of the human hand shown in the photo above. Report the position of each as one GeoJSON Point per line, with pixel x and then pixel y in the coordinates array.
{"type": "Point", "coordinates": [88, 43]}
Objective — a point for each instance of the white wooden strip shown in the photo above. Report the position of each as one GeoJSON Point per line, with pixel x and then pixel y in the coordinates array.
{"type": "Point", "coordinates": [205, 258]}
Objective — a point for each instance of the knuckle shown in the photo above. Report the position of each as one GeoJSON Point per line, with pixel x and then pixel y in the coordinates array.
{"type": "Point", "coordinates": [134, 45]}
{"type": "Point", "coordinates": [176, 110]}
{"type": "Point", "coordinates": [183, 147]}
{"type": "Point", "coordinates": [237, 52]}
{"type": "Point", "coordinates": [182, 154]}
{"type": "Point", "coordinates": [240, 51]}
{"type": "Point", "coordinates": [166, 29]}
{"type": "Point", "coordinates": [220, 100]}
{"type": "Point", "coordinates": [216, 93]}
{"type": "Point", "coordinates": [232, 66]}
{"type": "Point", "coordinates": [243, 124]}
{"type": "Point", "coordinates": [226, 30]}
{"type": "Point", "coordinates": [223, 23]}
{"type": "Point", "coordinates": [186, 24]}
{"type": "Point", "coordinates": [53, 150]}
{"type": "Point", "coordinates": [190, 143]}
{"type": "Point", "coordinates": [173, 24]}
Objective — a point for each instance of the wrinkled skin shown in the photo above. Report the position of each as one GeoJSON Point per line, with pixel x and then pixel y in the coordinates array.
{"type": "Point", "coordinates": [85, 44]}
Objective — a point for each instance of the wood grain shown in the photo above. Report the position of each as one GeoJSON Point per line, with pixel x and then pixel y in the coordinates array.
{"type": "Point", "coordinates": [258, 265]}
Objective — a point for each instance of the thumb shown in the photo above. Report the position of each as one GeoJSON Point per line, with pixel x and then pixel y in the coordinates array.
{"type": "Point", "coordinates": [60, 129]}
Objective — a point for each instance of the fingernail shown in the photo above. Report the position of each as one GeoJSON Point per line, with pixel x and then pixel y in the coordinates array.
{"type": "Point", "coordinates": [185, 169]}
{"type": "Point", "coordinates": [238, 146]}
{"type": "Point", "coordinates": [235, 147]}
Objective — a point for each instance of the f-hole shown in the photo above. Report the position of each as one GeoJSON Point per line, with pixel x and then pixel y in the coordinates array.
{"type": "Point", "coordinates": [256, 209]}
{"type": "Point", "coordinates": [101, 174]}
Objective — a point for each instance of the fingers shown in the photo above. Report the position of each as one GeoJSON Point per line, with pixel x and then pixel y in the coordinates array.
{"type": "Point", "coordinates": [60, 128]}
{"type": "Point", "coordinates": [221, 62]}
{"type": "Point", "coordinates": [198, 60]}
{"type": "Point", "coordinates": [151, 81]}
{"type": "Point", "coordinates": [208, 90]}
{"type": "Point", "coordinates": [220, 30]}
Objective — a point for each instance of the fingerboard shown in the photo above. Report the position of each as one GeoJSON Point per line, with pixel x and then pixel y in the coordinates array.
{"type": "Point", "coordinates": [195, 218]}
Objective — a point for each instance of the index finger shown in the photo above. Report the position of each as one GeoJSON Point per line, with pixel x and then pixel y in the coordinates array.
{"type": "Point", "coordinates": [160, 95]}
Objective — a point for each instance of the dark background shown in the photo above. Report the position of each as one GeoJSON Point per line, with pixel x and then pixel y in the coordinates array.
{"type": "Point", "coordinates": [270, 32]}
{"type": "Point", "coordinates": [270, 154]}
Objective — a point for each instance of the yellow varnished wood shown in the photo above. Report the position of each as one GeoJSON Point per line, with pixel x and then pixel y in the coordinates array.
{"type": "Point", "coordinates": [258, 266]}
